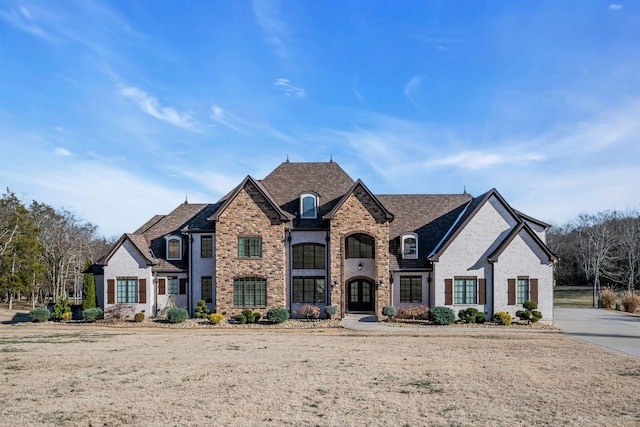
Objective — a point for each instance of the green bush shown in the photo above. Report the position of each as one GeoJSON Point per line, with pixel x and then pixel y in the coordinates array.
{"type": "Point", "coordinates": [468, 315]}
{"type": "Point", "coordinates": [480, 318]}
{"type": "Point", "coordinates": [330, 310]}
{"type": "Point", "coordinates": [530, 305]}
{"type": "Point", "coordinates": [201, 311]}
{"type": "Point", "coordinates": [92, 314]}
{"type": "Point", "coordinates": [177, 315]}
{"type": "Point", "coordinates": [389, 311]}
{"type": "Point", "coordinates": [277, 315]}
{"type": "Point", "coordinates": [240, 318]}
{"type": "Point", "coordinates": [39, 315]}
{"type": "Point", "coordinates": [89, 299]}
{"type": "Point", "coordinates": [524, 315]}
{"type": "Point", "coordinates": [138, 317]}
{"type": "Point", "coordinates": [215, 318]}
{"type": "Point", "coordinates": [535, 316]}
{"type": "Point", "coordinates": [442, 316]}
{"type": "Point", "coordinates": [256, 317]}
{"type": "Point", "coordinates": [61, 310]}
{"type": "Point", "coordinates": [503, 318]}
{"type": "Point", "coordinates": [530, 314]}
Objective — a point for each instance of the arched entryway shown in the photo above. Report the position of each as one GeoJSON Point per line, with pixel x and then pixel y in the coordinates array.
{"type": "Point", "coordinates": [360, 295]}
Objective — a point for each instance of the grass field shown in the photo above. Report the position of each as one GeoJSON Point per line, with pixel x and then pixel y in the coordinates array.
{"type": "Point", "coordinates": [573, 296]}
{"type": "Point", "coordinates": [55, 374]}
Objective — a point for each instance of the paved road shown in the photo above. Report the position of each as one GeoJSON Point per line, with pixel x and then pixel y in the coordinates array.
{"type": "Point", "coordinates": [614, 330]}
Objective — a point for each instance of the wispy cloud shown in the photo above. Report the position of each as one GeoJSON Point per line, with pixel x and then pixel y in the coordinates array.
{"type": "Point", "coordinates": [288, 89]}
{"type": "Point", "coordinates": [62, 152]}
{"type": "Point", "coordinates": [244, 126]}
{"type": "Point", "coordinates": [273, 27]}
{"type": "Point", "coordinates": [483, 160]}
{"type": "Point", "coordinates": [27, 19]}
{"type": "Point", "coordinates": [150, 105]}
{"type": "Point", "coordinates": [411, 88]}
{"type": "Point", "coordinates": [615, 6]}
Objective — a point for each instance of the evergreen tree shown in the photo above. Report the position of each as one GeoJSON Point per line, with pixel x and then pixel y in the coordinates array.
{"type": "Point", "coordinates": [20, 249]}
{"type": "Point", "coordinates": [88, 288]}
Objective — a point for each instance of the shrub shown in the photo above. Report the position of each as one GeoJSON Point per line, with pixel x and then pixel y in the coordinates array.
{"type": "Point", "coordinates": [215, 318]}
{"type": "Point", "coordinates": [413, 312]}
{"type": "Point", "coordinates": [524, 315]}
{"type": "Point", "coordinates": [442, 315]}
{"type": "Point", "coordinates": [608, 297]}
{"type": "Point", "coordinates": [61, 310]}
{"type": "Point", "coordinates": [119, 311]}
{"type": "Point", "coordinates": [240, 318]}
{"type": "Point", "coordinates": [530, 314]}
{"type": "Point", "coordinates": [503, 318]}
{"type": "Point", "coordinates": [39, 315]}
{"type": "Point", "coordinates": [139, 317]}
{"type": "Point", "coordinates": [309, 311]}
{"type": "Point", "coordinates": [89, 299]}
{"type": "Point", "coordinates": [177, 315]}
{"type": "Point", "coordinates": [201, 311]}
{"type": "Point", "coordinates": [480, 318]}
{"type": "Point", "coordinates": [92, 314]}
{"type": "Point", "coordinates": [389, 311]}
{"type": "Point", "coordinates": [530, 305]}
{"type": "Point", "coordinates": [256, 317]}
{"type": "Point", "coordinates": [469, 315]}
{"type": "Point", "coordinates": [630, 302]}
{"type": "Point", "coordinates": [277, 315]}
{"type": "Point", "coordinates": [330, 310]}
{"type": "Point", "coordinates": [535, 316]}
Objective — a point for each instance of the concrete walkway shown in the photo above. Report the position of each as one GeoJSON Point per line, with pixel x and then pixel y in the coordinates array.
{"type": "Point", "coordinates": [368, 322]}
{"type": "Point", "coordinates": [613, 330]}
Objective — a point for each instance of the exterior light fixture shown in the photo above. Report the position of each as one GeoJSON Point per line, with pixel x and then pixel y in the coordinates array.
{"type": "Point", "coordinates": [360, 266]}
{"type": "Point", "coordinates": [336, 284]}
{"type": "Point", "coordinates": [381, 284]}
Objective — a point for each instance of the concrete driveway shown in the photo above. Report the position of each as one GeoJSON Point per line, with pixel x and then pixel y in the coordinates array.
{"type": "Point", "coordinates": [614, 330]}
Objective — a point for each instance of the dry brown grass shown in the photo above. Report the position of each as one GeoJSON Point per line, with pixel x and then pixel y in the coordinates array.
{"type": "Point", "coordinates": [95, 375]}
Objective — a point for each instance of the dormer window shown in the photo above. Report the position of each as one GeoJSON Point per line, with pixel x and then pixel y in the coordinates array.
{"type": "Point", "coordinates": [174, 248]}
{"type": "Point", "coordinates": [308, 205]}
{"type": "Point", "coordinates": [410, 246]}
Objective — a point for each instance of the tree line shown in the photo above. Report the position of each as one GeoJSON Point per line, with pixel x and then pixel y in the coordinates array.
{"type": "Point", "coordinates": [600, 249]}
{"type": "Point", "coordinates": [44, 251]}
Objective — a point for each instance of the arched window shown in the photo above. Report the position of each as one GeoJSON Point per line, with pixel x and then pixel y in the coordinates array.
{"type": "Point", "coordinates": [359, 246]}
{"type": "Point", "coordinates": [309, 256]}
{"type": "Point", "coordinates": [410, 246]}
{"type": "Point", "coordinates": [308, 205]}
{"type": "Point", "coordinates": [174, 248]}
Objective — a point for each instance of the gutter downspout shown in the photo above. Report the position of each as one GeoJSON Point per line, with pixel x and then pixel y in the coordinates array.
{"type": "Point", "coordinates": [190, 293]}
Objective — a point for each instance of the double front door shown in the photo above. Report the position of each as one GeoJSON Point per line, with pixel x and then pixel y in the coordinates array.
{"type": "Point", "coordinates": [360, 292]}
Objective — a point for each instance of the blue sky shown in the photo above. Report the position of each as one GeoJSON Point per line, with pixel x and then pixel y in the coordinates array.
{"type": "Point", "coordinates": [118, 110]}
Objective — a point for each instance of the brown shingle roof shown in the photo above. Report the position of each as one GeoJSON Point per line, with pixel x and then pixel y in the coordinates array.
{"type": "Point", "coordinates": [289, 180]}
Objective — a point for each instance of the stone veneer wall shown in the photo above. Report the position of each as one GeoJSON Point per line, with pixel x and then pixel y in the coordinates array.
{"type": "Point", "coordinates": [249, 215]}
{"type": "Point", "coordinates": [359, 214]}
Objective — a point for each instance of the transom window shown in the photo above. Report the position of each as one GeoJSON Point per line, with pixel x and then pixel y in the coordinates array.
{"type": "Point", "coordinates": [127, 290]}
{"type": "Point", "coordinates": [309, 256]}
{"type": "Point", "coordinates": [359, 246]}
{"type": "Point", "coordinates": [207, 289]}
{"type": "Point", "coordinates": [173, 248]}
{"type": "Point", "coordinates": [308, 290]}
{"type": "Point", "coordinates": [465, 291]}
{"type": "Point", "coordinates": [409, 246]}
{"type": "Point", "coordinates": [522, 291]}
{"type": "Point", "coordinates": [250, 247]}
{"type": "Point", "coordinates": [250, 292]}
{"type": "Point", "coordinates": [410, 289]}
{"type": "Point", "coordinates": [308, 205]}
{"type": "Point", "coordinates": [206, 247]}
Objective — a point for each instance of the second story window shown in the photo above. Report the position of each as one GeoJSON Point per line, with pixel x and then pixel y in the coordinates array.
{"type": "Point", "coordinates": [409, 246]}
{"type": "Point", "coordinates": [359, 246]}
{"type": "Point", "coordinates": [206, 247]}
{"type": "Point", "coordinates": [308, 206]}
{"type": "Point", "coordinates": [250, 247]}
{"type": "Point", "coordinates": [174, 250]}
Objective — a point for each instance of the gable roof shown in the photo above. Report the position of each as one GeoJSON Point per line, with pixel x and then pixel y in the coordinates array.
{"type": "Point", "coordinates": [329, 215]}
{"type": "Point", "coordinates": [289, 180]}
{"type": "Point", "coordinates": [139, 243]}
{"type": "Point", "coordinates": [532, 219]}
{"type": "Point", "coordinates": [493, 257]}
{"type": "Point", "coordinates": [284, 216]}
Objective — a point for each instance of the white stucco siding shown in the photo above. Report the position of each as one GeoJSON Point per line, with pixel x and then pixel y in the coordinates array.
{"type": "Point", "coordinates": [181, 300]}
{"type": "Point", "coordinates": [467, 254]}
{"type": "Point", "coordinates": [523, 258]}
{"type": "Point", "coordinates": [540, 231]}
{"type": "Point", "coordinates": [128, 262]}
{"type": "Point", "coordinates": [395, 288]}
{"type": "Point", "coordinates": [202, 267]}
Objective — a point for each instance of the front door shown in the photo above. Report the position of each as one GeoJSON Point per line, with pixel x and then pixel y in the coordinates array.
{"type": "Point", "coordinates": [360, 295]}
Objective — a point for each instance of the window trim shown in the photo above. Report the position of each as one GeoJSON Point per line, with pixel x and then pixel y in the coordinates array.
{"type": "Point", "coordinates": [527, 295]}
{"type": "Point", "coordinates": [127, 291]}
{"type": "Point", "coordinates": [301, 246]}
{"type": "Point", "coordinates": [249, 241]}
{"type": "Point", "coordinates": [209, 253]}
{"type": "Point", "coordinates": [313, 196]}
{"type": "Point", "coordinates": [411, 288]}
{"type": "Point", "coordinates": [249, 281]}
{"type": "Point", "coordinates": [466, 296]}
{"type": "Point", "coordinates": [170, 279]}
{"type": "Point", "coordinates": [406, 236]}
{"type": "Point", "coordinates": [173, 239]}
{"type": "Point", "coordinates": [348, 254]}
{"type": "Point", "coordinates": [202, 287]}
{"type": "Point", "coordinates": [319, 297]}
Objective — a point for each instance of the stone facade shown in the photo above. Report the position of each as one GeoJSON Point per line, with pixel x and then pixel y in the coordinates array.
{"type": "Point", "coordinates": [249, 215]}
